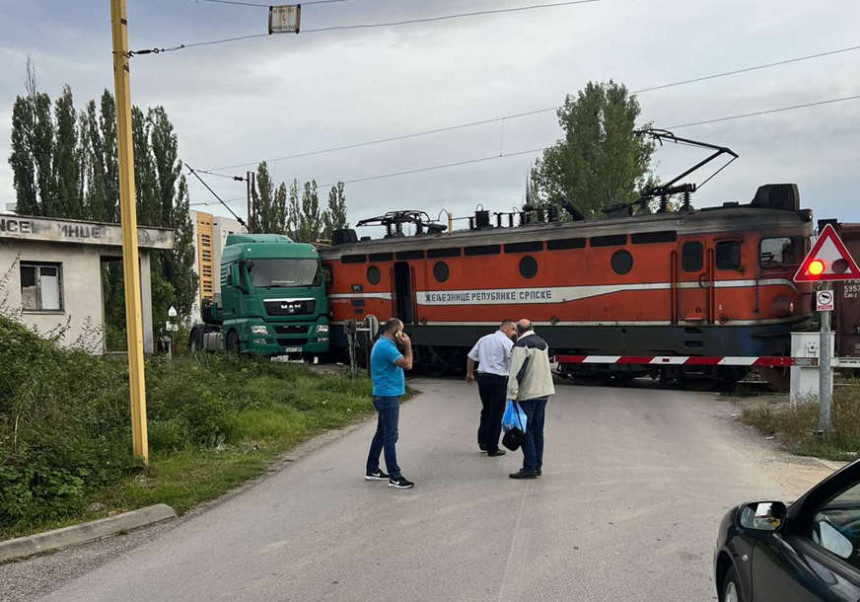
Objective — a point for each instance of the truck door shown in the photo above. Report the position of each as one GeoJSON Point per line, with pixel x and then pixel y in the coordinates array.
{"type": "Point", "coordinates": [403, 305]}
{"type": "Point", "coordinates": [694, 284]}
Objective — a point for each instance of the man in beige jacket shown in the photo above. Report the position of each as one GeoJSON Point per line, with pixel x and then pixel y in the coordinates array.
{"type": "Point", "coordinates": [530, 384]}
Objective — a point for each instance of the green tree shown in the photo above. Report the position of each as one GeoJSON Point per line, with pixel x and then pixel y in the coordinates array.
{"type": "Point", "coordinates": [335, 218]}
{"type": "Point", "coordinates": [269, 203]}
{"type": "Point", "coordinates": [601, 160]}
{"type": "Point", "coordinates": [67, 158]}
{"type": "Point", "coordinates": [99, 145]}
{"type": "Point", "coordinates": [145, 181]}
{"type": "Point", "coordinates": [21, 159]}
{"type": "Point", "coordinates": [310, 225]}
{"type": "Point", "coordinates": [32, 150]}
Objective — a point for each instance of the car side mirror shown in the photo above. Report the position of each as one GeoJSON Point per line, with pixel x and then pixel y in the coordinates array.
{"type": "Point", "coordinates": [767, 517]}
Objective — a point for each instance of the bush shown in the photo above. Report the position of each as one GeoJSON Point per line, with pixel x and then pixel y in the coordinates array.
{"type": "Point", "coordinates": [64, 420]}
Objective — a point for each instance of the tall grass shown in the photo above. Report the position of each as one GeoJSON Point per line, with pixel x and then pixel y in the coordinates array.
{"type": "Point", "coordinates": [214, 420]}
{"type": "Point", "coordinates": [797, 427]}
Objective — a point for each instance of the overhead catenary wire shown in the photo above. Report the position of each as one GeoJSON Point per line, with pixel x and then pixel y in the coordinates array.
{"type": "Point", "coordinates": [537, 150]}
{"type": "Point", "coordinates": [477, 13]}
{"type": "Point", "coordinates": [519, 115]}
{"type": "Point", "coordinates": [215, 194]}
{"type": "Point", "coordinates": [259, 5]}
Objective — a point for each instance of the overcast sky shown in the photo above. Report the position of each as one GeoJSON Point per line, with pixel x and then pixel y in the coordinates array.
{"type": "Point", "coordinates": [273, 96]}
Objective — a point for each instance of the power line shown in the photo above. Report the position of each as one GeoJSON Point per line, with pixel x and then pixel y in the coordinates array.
{"type": "Point", "coordinates": [748, 69]}
{"type": "Point", "coordinates": [435, 167]}
{"type": "Point", "coordinates": [257, 5]}
{"type": "Point", "coordinates": [536, 150]}
{"type": "Point", "coordinates": [384, 140]}
{"type": "Point", "coordinates": [536, 111]}
{"type": "Point", "coordinates": [478, 13]}
{"type": "Point", "coordinates": [215, 194]}
{"type": "Point", "coordinates": [765, 112]}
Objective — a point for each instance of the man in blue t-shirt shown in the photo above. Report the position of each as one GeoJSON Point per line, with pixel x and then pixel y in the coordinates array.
{"type": "Point", "coordinates": [386, 371]}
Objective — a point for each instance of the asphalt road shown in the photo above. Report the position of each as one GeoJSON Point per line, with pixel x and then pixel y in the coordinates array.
{"type": "Point", "coordinates": [635, 483]}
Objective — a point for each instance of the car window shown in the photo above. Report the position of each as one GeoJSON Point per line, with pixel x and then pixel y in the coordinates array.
{"type": "Point", "coordinates": [836, 526]}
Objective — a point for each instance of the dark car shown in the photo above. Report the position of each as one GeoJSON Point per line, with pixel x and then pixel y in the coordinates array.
{"type": "Point", "coordinates": [809, 550]}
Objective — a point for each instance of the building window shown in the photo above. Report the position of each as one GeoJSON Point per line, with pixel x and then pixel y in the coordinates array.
{"type": "Point", "coordinates": [41, 286]}
{"type": "Point", "coordinates": [373, 275]}
{"type": "Point", "coordinates": [622, 262]}
{"type": "Point", "coordinates": [528, 267]}
{"type": "Point", "coordinates": [440, 271]}
{"type": "Point", "coordinates": [691, 256]}
{"type": "Point", "coordinates": [729, 255]}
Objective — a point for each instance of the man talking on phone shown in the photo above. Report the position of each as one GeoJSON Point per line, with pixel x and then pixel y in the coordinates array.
{"type": "Point", "coordinates": [387, 363]}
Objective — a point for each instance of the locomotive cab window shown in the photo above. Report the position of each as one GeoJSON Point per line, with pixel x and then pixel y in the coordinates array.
{"type": "Point", "coordinates": [729, 255]}
{"type": "Point", "coordinates": [373, 275]}
{"type": "Point", "coordinates": [691, 256]}
{"type": "Point", "coordinates": [779, 252]}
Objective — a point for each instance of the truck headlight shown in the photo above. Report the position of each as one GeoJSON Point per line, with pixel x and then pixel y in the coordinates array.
{"type": "Point", "coordinates": [259, 329]}
{"type": "Point", "coordinates": [322, 328]}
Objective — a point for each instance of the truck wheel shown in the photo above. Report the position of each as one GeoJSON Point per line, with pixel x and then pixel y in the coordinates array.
{"type": "Point", "coordinates": [195, 341]}
{"type": "Point", "coordinates": [233, 345]}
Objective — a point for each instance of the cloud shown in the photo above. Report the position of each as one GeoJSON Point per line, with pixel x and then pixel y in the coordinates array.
{"type": "Point", "coordinates": [270, 97]}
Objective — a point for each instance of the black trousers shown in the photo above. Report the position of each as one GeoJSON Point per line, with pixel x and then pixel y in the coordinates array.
{"type": "Point", "coordinates": [493, 390]}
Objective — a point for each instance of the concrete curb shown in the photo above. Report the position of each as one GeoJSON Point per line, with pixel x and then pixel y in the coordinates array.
{"type": "Point", "coordinates": [22, 547]}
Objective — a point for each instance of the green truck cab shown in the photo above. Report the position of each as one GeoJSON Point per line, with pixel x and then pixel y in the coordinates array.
{"type": "Point", "coordinates": [272, 300]}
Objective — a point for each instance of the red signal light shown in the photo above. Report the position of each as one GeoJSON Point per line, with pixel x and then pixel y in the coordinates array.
{"type": "Point", "coordinates": [816, 268]}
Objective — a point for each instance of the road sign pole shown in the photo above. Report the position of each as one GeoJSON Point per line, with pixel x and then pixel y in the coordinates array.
{"type": "Point", "coordinates": [128, 217]}
{"type": "Point", "coordinates": [825, 374]}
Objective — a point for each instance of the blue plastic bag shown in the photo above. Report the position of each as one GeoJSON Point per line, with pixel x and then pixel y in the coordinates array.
{"type": "Point", "coordinates": [514, 417]}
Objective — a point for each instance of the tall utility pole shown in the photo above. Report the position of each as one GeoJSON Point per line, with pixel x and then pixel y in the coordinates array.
{"type": "Point", "coordinates": [128, 218]}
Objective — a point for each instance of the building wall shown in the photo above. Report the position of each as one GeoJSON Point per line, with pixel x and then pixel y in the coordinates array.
{"type": "Point", "coordinates": [210, 236]}
{"type": "Point", "coordinates": [222, 228]}
{"type": "Point", "coordinates": [81, 290]}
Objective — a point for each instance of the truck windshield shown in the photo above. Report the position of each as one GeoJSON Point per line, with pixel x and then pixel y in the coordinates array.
{"type": "Point", "coordinates": [271, 273]}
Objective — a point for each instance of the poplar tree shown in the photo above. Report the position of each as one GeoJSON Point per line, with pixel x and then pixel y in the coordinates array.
{"type": "Point", "coordinates": [335, 217]}
{"type": "Point", "coordinates": [601, 160]}
{"type": "Point", "coordinates": [310, 225]}
{"type": "Point", "coordinates": [270, 203]}
{"type": "Point", "coordinates": [68, 189]}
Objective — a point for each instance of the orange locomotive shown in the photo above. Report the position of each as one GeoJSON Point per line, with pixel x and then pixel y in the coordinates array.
{"type": "Point", "coordinates": [713, 282]}
{"type": "Point", "coordinates": [685, 282]}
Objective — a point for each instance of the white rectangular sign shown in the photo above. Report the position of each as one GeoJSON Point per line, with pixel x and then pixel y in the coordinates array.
{"type": "Point", "coordinates": [824, 301]}
{"type": "Point", "coordinates": [285, 19]}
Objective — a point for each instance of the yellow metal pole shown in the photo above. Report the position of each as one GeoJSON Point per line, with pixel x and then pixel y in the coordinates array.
{"type": "Point", "coordinates": [128, 217]}
{"type": "Point", "coordinates": [450, 223]}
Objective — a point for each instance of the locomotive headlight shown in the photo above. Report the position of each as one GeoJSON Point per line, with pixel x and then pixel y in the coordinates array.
{"type": "Point", "coordinates": [259, 329]}
{"type": "Point", "coordinates": [322, 328]}
{"type": "Point", "coordinates": [783, 307]}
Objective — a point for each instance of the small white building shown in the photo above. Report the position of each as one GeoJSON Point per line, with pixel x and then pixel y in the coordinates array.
{"type": "Point", "coordinates": [51, 274]}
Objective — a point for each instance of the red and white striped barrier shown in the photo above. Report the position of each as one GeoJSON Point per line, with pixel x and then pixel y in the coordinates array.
{"type": "Point", "coordinates": [681, 360]}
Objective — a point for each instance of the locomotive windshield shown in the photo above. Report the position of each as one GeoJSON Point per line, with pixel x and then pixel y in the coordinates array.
{"type": "Point", "coordinates": [780, 252]}
{"type": "Point", "coordinates": [271, 273]}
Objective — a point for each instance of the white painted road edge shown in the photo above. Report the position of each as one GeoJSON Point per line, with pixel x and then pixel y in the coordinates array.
{"type": "Point", "coordinates": [50, 541]}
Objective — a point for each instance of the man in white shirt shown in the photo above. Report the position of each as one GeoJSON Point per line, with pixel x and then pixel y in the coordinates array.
{"type": "Point", "coordinates": [492, 353]}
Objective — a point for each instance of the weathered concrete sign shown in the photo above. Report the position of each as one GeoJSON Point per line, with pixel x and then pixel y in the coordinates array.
{"type": "Point", "coordinates": [23, 227]}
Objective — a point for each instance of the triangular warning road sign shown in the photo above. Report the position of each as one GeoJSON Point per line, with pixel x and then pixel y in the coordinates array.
{"type": "Point", "coordinates": [828, 259]}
